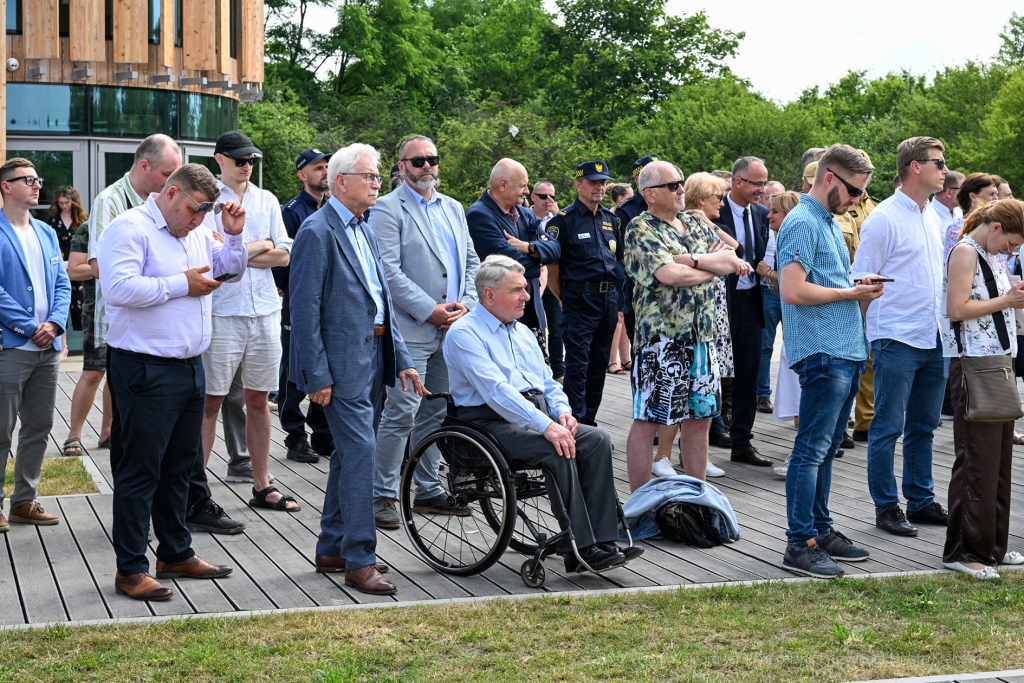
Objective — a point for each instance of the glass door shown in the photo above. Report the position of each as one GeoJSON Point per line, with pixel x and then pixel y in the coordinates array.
{"type": "Point", "coordinates": [58, 162]}
{"type": "Point", "coordinates": [112, 161]}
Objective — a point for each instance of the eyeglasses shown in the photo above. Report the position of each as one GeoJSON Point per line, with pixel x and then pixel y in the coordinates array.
{"type": "Point", "coordinates": [672, 187]}
{"type": "Point", "coordinates": [545, 197]}
{"type": "Point", "coordinates": [30, 180]}
{"type": "Point", "coordinates": [251, 161]}
{"type": "Point", "coordinates": [418, 162]}
{"type": "Point", "coordinates": [719, 197]}
{"type": "Point", "coordinates": [854, 191]}
{"type": "Point", "coordinates": [760, 185]}
{"type": "Point", "coordinates": [952, 188]}
{"type": "Point", "coordinates": [939, 163]}
{"type": "Point", "coordinates": [370, 177]}
{"type": "Point", "coordinates": [205, 207]}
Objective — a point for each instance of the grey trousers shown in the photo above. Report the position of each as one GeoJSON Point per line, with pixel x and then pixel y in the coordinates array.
{"type": "Point", "coordinates": [232, 412]}
{"type": "Point", "coordinates": [28, 389]}
{"type": "Point", "coordinates": [588, 491]}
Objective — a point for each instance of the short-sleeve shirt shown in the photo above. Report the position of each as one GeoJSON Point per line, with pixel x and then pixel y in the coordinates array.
{"type": "Point", "coordinates": [683, 313]}
{"type": "Point", "coordinates": [80, 245]}
{"type": "Point", "coordinates": [809, 236]}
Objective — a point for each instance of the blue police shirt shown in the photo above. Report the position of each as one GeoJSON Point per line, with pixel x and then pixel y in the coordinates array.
{"type": "Point", "coordinates": [588, 243]}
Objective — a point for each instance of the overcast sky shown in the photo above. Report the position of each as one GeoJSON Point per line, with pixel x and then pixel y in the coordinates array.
{"type": "Point", "coordinates": [792, 47]}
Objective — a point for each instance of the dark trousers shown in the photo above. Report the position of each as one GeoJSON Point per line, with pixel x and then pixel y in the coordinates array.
{"type": "Point", "coordinates": [979, 488]}
{"type": "Point", "coordinates": [747, 333]}
{"type": "Point", "coordinates": [553, 312]}
{"type": "Point", "coordinates": [199, 495]}
{"type": "Point", "coordinates": [587, 490]}
{"type": "Point", "coordinates": [289, 410]}
{"type": "Point", "coordinates": [156, 437]}
{"type": "Point", "coordinates": [588, 325]}
{"type": "Point", "coordinates": [530, 319]}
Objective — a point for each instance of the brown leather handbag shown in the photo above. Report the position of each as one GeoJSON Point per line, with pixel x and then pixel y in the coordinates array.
{"type": "Point", "coordinates": [989, 384]}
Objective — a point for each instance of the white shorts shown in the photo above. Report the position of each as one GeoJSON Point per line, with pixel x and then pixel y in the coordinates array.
{"type": "Point", "coordinates": [252, 343]}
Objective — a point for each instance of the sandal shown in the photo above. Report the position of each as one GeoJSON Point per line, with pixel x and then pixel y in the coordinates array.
{"type": "Point", "coordinates": [627, 366]}
{"type": "Point", "coordinates": [259, 500]}
{"type": "Point", "coordinates": [73, 448]}
{"type": "Point", "coordinates": [620, 371]}
{"type": "Point", "coordinates": [1018, 439]}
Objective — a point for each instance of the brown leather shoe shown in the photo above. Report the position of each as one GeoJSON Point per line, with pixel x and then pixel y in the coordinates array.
{"type": "Point", "coordinates": [764, 404]}
{"type": "Point", "coordinates": [33, 513]}
{"type": "Point", "coordinates": [194, 567]}
{"type": "Point", "coordinates": [750, 456]}
{"type": "Point", "coordinates": [141, 586]}
{"type": "Point", "coordinates": [335, 564]}
{"type": "Point", "coordinates": [368, 579]}
{"type": "Point", "coordinates": [4, 526]}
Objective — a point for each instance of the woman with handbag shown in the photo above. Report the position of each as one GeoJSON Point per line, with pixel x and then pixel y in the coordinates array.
{"type": "Point", "coordinates": [981, 340]}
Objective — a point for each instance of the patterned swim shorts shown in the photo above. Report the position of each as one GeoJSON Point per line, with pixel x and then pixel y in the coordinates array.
{"type": "Point", "coordinates": [673, 382]}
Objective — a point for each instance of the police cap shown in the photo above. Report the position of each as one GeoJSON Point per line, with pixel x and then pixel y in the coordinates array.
{"type": "Point", "coordinates": [394, 171]}
{"type": "Point", "coordinates": [639, 164]}
{"type": "Point", "coordinates": [593, 170]}
{"type": "Point", "coordinates": [310, 156]}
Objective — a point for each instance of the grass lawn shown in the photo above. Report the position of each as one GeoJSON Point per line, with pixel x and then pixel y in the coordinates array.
{"type": "Point", "coordinates": [850, 629]}
{"type": "Point", "coordinates": [60, 476]}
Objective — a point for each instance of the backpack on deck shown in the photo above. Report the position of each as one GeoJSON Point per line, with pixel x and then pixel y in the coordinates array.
{"type": "Point", "coordinates": [689, 524]}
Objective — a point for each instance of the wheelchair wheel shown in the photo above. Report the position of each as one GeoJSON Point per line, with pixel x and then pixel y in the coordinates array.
{"type": "Point", "coordinates": [533, 513]}
{"type": "Point", "coordinates": [473, 475]}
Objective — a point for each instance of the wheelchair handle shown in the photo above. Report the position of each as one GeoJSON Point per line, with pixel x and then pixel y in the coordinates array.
{"type": "Point", "coordinates": [447, 397]}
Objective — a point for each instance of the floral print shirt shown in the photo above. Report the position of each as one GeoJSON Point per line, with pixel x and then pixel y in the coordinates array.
{"type": "Point", "coordinates": [978, 335]}
{"type": "Point", "coordinates": [683, 313]}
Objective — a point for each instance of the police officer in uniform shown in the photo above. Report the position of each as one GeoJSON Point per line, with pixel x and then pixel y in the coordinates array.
{"type": "Point", "coordinates": [624, 213]}
{"type": "Point", "coordinates": [584, 281]}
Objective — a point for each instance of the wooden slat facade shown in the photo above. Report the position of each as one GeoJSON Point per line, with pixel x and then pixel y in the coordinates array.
{"type": "Point", "coordinates": [224, 36]}
{"type": "Point", "coordinates": [199, 21]}
{"type": "Point", "coordinates": [131, 28]}
{"type": "Point", "coordinates": [86, 42]}
{"type": "Point", "coordinates": [165, 51]}
{"type": "Point", "coordinates": [41, 22]}
{"type": "Point", "coordinates": [251, 50]}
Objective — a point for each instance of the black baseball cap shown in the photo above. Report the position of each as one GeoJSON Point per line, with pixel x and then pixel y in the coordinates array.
{"type": "Point", "coordinates": [235, 144]}
{"type": "Point", "coordinates": [309, 156]}
{"type": "Point", "coordinates": [395, 172]}
{"type": "Point", "coordinates": [593, 170]}
{"type": "Point", "coordinates": [639, 164]}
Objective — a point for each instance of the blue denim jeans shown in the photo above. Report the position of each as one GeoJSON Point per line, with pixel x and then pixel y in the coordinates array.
{"type": "Point", "coordinates": [908, 399]}
{"type": "Point", "coordinates": [772, 318]}
{"type": "Point", "coordinates": [829, 386]}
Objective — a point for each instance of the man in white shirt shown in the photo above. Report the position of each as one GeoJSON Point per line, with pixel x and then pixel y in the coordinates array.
{"type": "Point", "coordinates": [901, 240]}
{"type": "Point", "coordinates": [544, 205]}
{"type": "Point", "coordinates": [246, 333]}
{"type": "Point", "coordinates": [155, 260]}
{"type": "Point", "coordinates": [35, 294]}
{"type": "Point", "coordinates": [945, 203]}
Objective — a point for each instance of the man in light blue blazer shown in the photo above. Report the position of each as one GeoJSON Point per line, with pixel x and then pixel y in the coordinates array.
{"type": "Point", "coordinates": [429, 263]}
{"type": "Point", "coordinates": [35, 294]}
{"type": "Point", "coordinates": [345, 347]}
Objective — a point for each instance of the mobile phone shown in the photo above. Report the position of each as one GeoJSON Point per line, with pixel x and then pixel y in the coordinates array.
{"type": "Point", "coordinates": [225, 276]}
{"type": "Point", "coordinates": [877, 280]}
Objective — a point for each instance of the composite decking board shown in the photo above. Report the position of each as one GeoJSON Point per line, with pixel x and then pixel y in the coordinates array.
{"type": "Point", "coordinates": [39, 595]}
{"type": "Point", "coordinates": [11, 609]}
{"type": "Point", "coordinates": [74, 581]}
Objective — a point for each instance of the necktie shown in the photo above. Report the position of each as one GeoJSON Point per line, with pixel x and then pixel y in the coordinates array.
{"type": "Point", "coordinates": [748, 235]}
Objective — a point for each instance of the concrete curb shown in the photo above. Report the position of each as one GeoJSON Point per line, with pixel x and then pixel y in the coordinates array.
{"type": "Point", "coordinates": [102, 487]}
{"type": "Point", "coordinates": [949, 679]}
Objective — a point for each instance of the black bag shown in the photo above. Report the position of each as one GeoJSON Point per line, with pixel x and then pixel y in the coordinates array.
{"type": "Point", "coordinates": [689, 524]}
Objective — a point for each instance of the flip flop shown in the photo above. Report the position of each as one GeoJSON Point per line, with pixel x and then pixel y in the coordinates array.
{"type": "Point", "coordinates": [73, 443]}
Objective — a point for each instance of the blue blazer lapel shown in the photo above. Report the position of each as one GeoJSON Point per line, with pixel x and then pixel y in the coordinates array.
{"type": "Point", "coordinates": [345, 244]}
{"type": "Point", "coordinates": [7, 229]}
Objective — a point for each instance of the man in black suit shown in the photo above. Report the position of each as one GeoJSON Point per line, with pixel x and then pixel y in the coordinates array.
{"type": "Point", "coordinates": [746, 220]}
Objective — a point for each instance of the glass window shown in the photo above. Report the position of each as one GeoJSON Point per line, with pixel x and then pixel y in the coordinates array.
{"type": "Point", "coordinates": [115, 165]}
{"type": "Point", "coordinates": [154, 22]}
{"type": "Point", "coordinates": [208, 162]}
{"type": "Point", "coordinates": [43, 108]}
{"type": "Point", "coordinates": [13, 16]}
{"type": "Point", "coordinates": [108, 13]}
{"type": "Point", "coordinates": [55, 168]}
{"type": "Point", "coordinates": [133, 112]}
{"type": "Point", "coordinates": [205, 117]}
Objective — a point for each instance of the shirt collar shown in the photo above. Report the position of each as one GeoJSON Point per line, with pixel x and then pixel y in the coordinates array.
{"type": "Point", "coordinates": [344, 214]}
{"type": "Point", "coordinates": [156, 213]}
{"type": "Point", "coordinates": [416, 196]}
{"type": "Point", "coordinates": [906, 202]}
{"type": "Point", "coordinates": [308, 198]}
{"type": "Point", "coordinates": [489, 321]}
{"type": "Point", "coordinates": [224, 189]}
{"type": "Point", "coordinates": [815, 207]}
{"type": "Point", "coordinates": [128, 184]}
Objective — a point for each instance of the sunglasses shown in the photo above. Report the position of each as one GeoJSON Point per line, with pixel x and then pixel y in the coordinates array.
{"type": "Point", "coordinates": [939, 163]}
{"type": "Point", "coordinates": [30, 180]}
{"type": "Point", "coordinates": [854, 191]}
{"type": "Point", "coordinates": [418, 162]}
{"type": "Point", "coordinates": [251, 161]}
{"type": "Point", "coordinates": [205, 207]}
{"type": "Point", "coordinates": [672, 187]}
{"type": "Point", "coordinates": [545, 197]}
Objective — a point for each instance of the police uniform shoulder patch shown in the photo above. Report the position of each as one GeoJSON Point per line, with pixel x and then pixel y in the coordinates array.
{"type": "Point", "coordinates": [553, 231]}
{"type": "Point", "coordinates": [562, 212]}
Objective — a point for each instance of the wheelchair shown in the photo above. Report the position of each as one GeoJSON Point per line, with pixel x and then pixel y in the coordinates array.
{"type": "Point", "coordinates": [505, 506]}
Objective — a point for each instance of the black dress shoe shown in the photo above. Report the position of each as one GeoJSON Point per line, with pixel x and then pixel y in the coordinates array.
{"type": "Point", "coordinates": [212, 519]}
{"type": "Point", "coordinates": [719, 436]}
{"type": "Point", "coordinates": [860, 435]}
{"type": "Point", "coordinates": [595, 556]}
{"type": "Point", "coordinates": [930, 514]}
{"type": "Point", "coordinates": [630, 553]}
{"type": "Point", "coordinates": [840, 453]}
{"type": "Point", "coordinates": [303, 453]}
{"type": "Point", "coordinates": [750, 456]}
{"type": "Point", "coordinates": [324, 450]}
{"type": "Point", "coordinates": [764, 404]}
{"type": "Point", "coordinates": [847, 441]}
{"type": "Point", "coordinates": [895, 522]}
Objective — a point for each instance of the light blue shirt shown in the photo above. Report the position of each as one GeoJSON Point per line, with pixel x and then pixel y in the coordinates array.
{"type": "Point", "coordinates": [445, 236]}
{"type": "Point", "coordinates": [362, 247]}
{"type": "Point", "coordinates": [492, 362]}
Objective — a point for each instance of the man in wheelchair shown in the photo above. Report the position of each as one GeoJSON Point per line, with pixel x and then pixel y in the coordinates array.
{"type": "Point", "coordinates": [498, 381]}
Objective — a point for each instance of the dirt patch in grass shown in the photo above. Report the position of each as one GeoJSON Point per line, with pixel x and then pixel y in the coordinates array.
{"type": "Point", "coordinates": [60, 476]}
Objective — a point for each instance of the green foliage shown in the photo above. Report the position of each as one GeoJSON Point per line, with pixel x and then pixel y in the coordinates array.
{"type": "Point", "coordinates": [1011, 51]}
{"type": "Point", "coordinates": [1004, 133]}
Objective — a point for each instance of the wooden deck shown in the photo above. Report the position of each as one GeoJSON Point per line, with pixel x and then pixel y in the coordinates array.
{"type": "Point", "coordinates": [65, 572]}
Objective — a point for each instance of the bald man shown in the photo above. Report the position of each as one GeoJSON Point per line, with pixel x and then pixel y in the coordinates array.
{"type": "Point", "coordinates": [499, 224]}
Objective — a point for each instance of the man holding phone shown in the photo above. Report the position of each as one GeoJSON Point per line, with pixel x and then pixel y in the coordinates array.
{"type": "Point", "coordinates": [901, 240]}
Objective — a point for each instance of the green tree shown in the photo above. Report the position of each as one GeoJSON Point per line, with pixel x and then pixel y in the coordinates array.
{"type": "Point", "coordinates": [1004, 129]}
{"type": "Point", "coordinates": [1011, 52]}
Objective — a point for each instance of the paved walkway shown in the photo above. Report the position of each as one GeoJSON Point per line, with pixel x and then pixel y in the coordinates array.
{"type": "Point", "coordinates": [65, 572]}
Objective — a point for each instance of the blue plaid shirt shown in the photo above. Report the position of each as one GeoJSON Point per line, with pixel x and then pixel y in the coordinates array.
{"type": "Point", "coordinates": [811, 238]}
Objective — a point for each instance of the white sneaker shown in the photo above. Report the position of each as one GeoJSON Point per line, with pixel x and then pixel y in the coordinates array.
{"type": "Point", "coordinates": [781, 470]}
{"type": "Point", "coordinates": [714, 470]}
{"type": "Point", "coordinates": [663, 468]}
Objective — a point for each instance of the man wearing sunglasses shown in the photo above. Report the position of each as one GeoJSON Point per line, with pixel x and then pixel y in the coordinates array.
{"type": "Point", "coordinates": [245, 334]}
{"type": "Point", "coordinates": [157, 261]}
{"type": "Point", "coordinates": [901, 239]}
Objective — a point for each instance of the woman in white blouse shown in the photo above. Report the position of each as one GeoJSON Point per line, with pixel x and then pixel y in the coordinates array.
{"type": "Point", "coordinates": [979, 488]}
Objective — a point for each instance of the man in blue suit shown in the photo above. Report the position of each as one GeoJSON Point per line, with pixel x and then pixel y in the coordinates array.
{"type": "Point", "coordinates": [35, 294]}
{"type": "Point", "coordinates": [499, 225]}
{"type": "Point", "coordinates": [346, 345]}
{"type": "Point", "coordinates": [746, 220]}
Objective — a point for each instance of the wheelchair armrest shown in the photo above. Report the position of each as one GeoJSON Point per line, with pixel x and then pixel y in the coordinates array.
{"type": "Point", "coordinates": [448, 399]}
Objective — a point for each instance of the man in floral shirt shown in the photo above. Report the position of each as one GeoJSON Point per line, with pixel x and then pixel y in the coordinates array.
{"type": "Point", "coordinates": [672, 257]}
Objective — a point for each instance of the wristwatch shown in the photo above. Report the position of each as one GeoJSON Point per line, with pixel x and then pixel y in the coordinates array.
{"type": "Point", "coordinates": [696, 258]}
{"type": "Point", "coordinates": [532, 250]}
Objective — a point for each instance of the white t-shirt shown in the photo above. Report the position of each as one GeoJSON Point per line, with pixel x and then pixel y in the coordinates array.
{"type": "Point", "coordinates": [37, 273]}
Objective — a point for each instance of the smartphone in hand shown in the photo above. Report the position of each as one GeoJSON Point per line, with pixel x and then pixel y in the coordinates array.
{"type": "Point", "coordinates": [225, 276]}
{"type": "Point", "coordinates": [876, 280]}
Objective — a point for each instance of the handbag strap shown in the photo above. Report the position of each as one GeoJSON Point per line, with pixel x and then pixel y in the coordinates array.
{"type": "Point", "coordinates": [998, 320]}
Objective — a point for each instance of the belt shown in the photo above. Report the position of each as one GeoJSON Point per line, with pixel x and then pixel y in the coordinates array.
{"type": "Point", "coordinates": [184, 361]}
{"type": "Point", "coordinates": [743, 293]}
{"type": "Point", "coordinates": [599, 285]}
{"type": "Point", "coordinates": [532, 392]}
{"type": "Point", "coordinates": [378, 330]}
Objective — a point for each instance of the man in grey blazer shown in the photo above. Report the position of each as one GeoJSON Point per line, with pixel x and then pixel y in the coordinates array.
{"type": "Point", "coordinates": [345, 347]}
{"type": "Point", "coordinates": [429, 264]}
